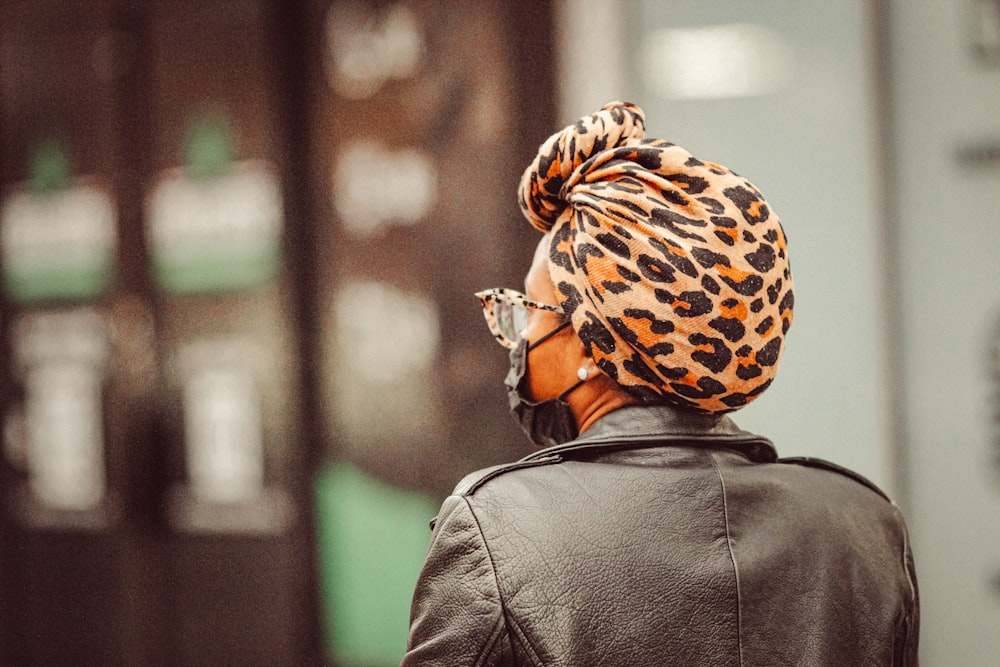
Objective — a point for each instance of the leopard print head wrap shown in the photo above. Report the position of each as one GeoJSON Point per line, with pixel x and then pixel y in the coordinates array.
{"type": "Point", "coordinates": [673, 270]}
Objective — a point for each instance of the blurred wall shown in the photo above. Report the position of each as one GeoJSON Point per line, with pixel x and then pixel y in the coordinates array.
{"type": "Point", "coordinates": [946, 140]}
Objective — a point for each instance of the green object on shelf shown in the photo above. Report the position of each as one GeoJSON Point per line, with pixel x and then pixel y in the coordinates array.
{"type": "Point", "coordinates": [372, 540]}
{"type": "Point", "coordinates": [58, 244]}
{"type": "Point", "coordinates": [209, 147]}
{"type": "Point", "coordinates": [50, 168]}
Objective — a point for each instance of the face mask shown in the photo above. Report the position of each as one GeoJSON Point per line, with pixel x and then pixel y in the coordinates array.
{"type": "Point", "coordinates": [548, 422]}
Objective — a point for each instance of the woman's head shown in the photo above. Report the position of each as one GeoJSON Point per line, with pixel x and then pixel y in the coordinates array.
{"type": "Point", "coordinates": [673, 271]}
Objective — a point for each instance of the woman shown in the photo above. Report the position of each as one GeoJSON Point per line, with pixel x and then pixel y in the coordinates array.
{"type": "Point", "coordinates": [650, 530]}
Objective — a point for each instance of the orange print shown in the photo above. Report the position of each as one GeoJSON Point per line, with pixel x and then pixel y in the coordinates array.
{"type": "Point", "coordinates": [731, 233]}
{"type": "Point", "coordinates": [737, 312]}
{"type": "Point", "coordinates": [754, 208]}
{"type": "Point", "coordinates": [680, 252]}
{"type": "Point", "coordinates": [690, 380]}
{"type": "Point", "coordinates": [643, 331]}
{"type": "Point", "coordinates": [732, 273]}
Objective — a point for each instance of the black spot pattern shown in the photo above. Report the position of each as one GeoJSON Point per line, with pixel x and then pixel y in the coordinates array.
{"type": "Point", "coordinates": [676, 224]}
{"type": "Point", "coordinates": [725, 238]}
{"type": "Point", "coordinates": [594, 334]}
{"type": "Point", "coordinates": [708, 259]}
{"type": "Point", "coordinates": [707, 387]}
{"type": "Point", "coordinates": [748, 286]}
{"type": "Point", "coordinates": [713, 206]}
{"type": "Point", "coordinates": [686, 304]}
{"type": "Point", "coordinates": [583, 252]}
{"type": "Point", "coordinates": [729, 327]}
{"type": "Point", "coordinates": [628, 274]}
{"type": "Point", "coordinates": [768, 355]}
{"type": "Point", "coordinates": [716, 360]}
{"type": "Point", "coordinates": [622, 232]}
{"type": "Point", "coordinates": [671, 372]}
{"type": "Point", "coordinates": [773, 291]}
{"type": "Point", "coordinates": [744, 198]}
{"type": "Point", "coordinates": [675, 197]}
{"type": "Point", "coordinates": [655, 270]}
{"type": "Point", "coordinates": [679, 262]}
{"type": "Point", "coordinates": [723, 221]}
{"type": "Point", "coordinates": [693, 185]}
{"type": "Point", "coordinates": [632, 337]}
{"type": "Point", "coordinates": [615, 287]}
{"type": "Point", "coordinates": [761, 259]}
{"type": "Point", "coordinates": [562, 259]}
{"type": "Point", "coordinates": [765, 324]}
{"type": "Point", "coordinates": [786, 307]}
{"type": "Point", "coordinates": [572, 299]}
{"type": "Point", "coordinates": [637, 367]}
{"type": "Point", "coordinates": [614, 245]}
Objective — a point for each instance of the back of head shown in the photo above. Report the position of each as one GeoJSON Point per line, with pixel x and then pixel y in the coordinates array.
{"type": "Point", "coordinates": [673, 270]}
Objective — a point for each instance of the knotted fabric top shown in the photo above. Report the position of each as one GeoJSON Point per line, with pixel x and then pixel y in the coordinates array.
{"type": "Point", "coordinates": [673, 270]}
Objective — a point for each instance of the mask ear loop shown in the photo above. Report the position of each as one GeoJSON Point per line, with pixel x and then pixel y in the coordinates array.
{"type": "Point", "coordinates": [562, 396]}
{"type": "Point", "coordinates": [548, 335]}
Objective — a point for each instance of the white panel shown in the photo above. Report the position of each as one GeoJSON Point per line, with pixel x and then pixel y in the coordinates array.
{"type": "Point", "coordinates": [948, 109]}
{"type": "Point", "coordinates": [592, 55]}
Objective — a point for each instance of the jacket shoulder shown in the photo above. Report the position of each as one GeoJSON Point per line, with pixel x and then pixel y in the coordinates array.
{"type": "Point", "coordinates": [821, 464]}
{"type": "Point", "coordinates": [474, 481]}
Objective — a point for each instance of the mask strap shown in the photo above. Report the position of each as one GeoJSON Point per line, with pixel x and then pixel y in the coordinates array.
{"type": "Point", "coordinates": [562, 396]}
{"type": "Point", "coordinates": [548, 335]}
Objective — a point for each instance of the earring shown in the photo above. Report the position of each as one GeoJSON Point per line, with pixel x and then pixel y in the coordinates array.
{"type": "Point", "coordinates": [582, 374]}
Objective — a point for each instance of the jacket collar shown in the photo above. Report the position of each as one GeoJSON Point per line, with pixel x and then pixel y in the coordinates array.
{"type": "Point", "coordinates": [642, 426]}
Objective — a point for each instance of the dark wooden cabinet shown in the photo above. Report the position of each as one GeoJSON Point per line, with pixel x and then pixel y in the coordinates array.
{"type": "Point", "coordinates": [296, 201]}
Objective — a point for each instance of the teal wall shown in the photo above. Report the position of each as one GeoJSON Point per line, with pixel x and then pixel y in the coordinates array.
{"type": "Point", "coordinates": [372, 539]}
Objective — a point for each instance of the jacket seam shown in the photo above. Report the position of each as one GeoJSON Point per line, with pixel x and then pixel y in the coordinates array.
{"type": "Point", "coordinates": [491, 642]}
{"type": "Point", "coordinates": [496, 583]}
{"type": "Point", "coordinates": [732, 558]}
{"type": "Point", "coordinates": [523, 638]}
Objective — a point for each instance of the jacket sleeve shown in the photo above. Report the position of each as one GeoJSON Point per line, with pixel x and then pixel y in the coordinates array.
{"type": "Point", "coordinates": [457, 615]}
{"type": "Point", "coordinates": [906, 654]}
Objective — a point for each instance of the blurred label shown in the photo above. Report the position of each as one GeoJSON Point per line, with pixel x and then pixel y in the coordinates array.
{"type": "Point", "coordinates": [368, 46]}
{"type": "Point", "coordinates": [222, 424]}
{"type": "Point", "coordinates": [375, 187]}
{"type": "Point", "coordinates": [62, 358]}
{"type": "Point", "coordinates": [58, 244]}
{"type": "Point", "coordinates": [218, 233]}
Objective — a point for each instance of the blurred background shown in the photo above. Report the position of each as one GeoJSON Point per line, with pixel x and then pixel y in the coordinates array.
{"type": "Point", "coordinates": [240, 362]}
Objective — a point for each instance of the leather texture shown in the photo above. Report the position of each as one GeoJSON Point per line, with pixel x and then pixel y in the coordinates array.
{"type": "Point", "coordinates": [666, 538]}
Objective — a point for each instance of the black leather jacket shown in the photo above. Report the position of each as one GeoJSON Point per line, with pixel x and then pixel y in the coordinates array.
{"type": "Point", "coordinates": [665, 538]}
